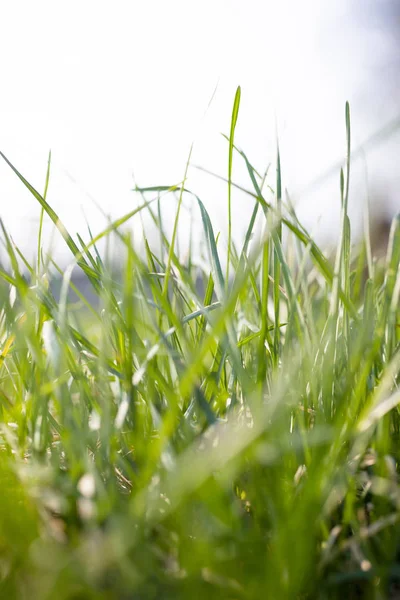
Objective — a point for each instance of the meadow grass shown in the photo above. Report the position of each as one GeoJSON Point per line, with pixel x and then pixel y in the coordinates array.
{"type": "Point", "coordinates": [202, 432]}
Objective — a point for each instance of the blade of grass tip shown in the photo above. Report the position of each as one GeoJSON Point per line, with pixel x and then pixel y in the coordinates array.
{"type": "Point", "coordinates": [46, 187]}
{"type": "Point", "coordinates": [175, 230]}
{"type": "Point", "coordinates": [58, 223]}
{"type": "Point", "coordinates": [277, 264]}
{"type": "Point", "coordinates": [250, 228]}
{"type": "Point", "coordinates": [87, 253]}
{"type": "Point", "coordinates": [348, 156]}
{"type": "Point", "coordinates": [264, 176]}
{"type": "Point", "coordinates": [25, 262]}
{"type": "Point", "coordinates": [176, 187]}
{"type": "Point", "coordinates": [163, 237]}
{"type": "Point", "coordinates": [235, 112]}
{"type": "Point", "coordinates": [114, 225]}
{"type": "Point", "coordinates": [213, 253]}
{"type": "Point", "coordinates": [379, 136]}
{"type": "Point", "coordinates": [158, 222]}
{"type": "Point", "coordinates": [259, 189]}
{"type": "Point", "coordinates": [346, 220]}
{"type": "Point", "coordinates": [99, 262]}
{"type": "Point", "coordinates": [344, 190]}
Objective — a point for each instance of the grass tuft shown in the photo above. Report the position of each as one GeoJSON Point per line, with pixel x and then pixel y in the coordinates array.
{"type": "Point", "coordinates": [195, 433]}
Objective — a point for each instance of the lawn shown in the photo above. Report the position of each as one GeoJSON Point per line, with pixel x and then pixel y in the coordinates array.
{"type": "Point", "coordinates": [226, 431]}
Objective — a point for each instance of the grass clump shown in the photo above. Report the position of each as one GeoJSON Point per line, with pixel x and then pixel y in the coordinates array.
{"type": "Point", "coordinates": [220, 433]}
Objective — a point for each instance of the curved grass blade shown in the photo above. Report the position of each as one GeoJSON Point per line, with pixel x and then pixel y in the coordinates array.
{"type": "Point", "coordinates": [235, 112]}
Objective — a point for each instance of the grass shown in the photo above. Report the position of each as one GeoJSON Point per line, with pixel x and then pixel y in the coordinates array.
{"type": "Point", "coordinates": [203, 433]}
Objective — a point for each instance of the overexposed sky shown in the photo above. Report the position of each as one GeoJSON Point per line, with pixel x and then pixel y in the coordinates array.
{"type": "Point", "coordinates": [122, 87]}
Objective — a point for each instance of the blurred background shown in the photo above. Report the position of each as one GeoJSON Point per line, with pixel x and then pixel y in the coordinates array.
{"type": "Point", "coordinates": [120, 90]}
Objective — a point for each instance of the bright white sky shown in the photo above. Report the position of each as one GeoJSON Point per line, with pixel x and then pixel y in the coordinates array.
{"type": "Point", "coordinates": [120, 87]}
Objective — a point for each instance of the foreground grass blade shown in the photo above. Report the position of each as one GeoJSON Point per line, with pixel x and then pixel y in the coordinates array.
{"type": "Point", "coordinates": [235, 113]}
